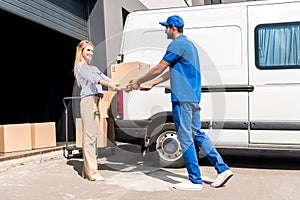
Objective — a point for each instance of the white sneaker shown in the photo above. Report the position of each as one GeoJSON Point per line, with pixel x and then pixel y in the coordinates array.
{"type": "Point", "coordinates": [222, 178]}
{"type": "Point", "coordinates": [188, 185]}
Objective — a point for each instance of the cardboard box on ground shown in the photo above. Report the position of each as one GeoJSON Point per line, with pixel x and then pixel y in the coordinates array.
{"type": "Point", "coordinates": [121, 74]}
{"type": "Point", "coordinates": [27, 136]}
{"type": "Point", "coordinates": [43, 135]}
{"type": "Point", "coordinates": [15, 137]}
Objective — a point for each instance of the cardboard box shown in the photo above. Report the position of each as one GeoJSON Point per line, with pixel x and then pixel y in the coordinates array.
{"type": "Point", "coordinates": [124, 72]}
{"type": "Point", "coordinates": [104, 109]}
{"type": "Point", "coordinates": [102, 135]}
{"type": "Point", "coordinates": [43, 135]}
{"type": "Point", "coordinates": [107, 97]}
{"type": "Point", "coordinates": [15, 137]}
{"type": "Point", "coordinates": [78, 127]}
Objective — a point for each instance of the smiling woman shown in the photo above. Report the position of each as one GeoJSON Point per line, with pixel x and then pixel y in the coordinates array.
{"type": "Point", "coordinates": [91, 80]}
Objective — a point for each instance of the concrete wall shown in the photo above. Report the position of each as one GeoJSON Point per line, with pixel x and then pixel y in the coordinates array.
{"type": "Point", "coordinates": [232, 1]}
{"type": "Point", "coordinates": [197, 2]}
{"type": "Point", "coordinates": [105, 26]}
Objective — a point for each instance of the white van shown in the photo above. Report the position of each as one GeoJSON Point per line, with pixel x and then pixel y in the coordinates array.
{"type": "Point", "coordinates": [250, 64]}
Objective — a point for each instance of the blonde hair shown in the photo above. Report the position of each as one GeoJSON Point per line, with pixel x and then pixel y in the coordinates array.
{"type": "Point", "coordinates": [78, 57]}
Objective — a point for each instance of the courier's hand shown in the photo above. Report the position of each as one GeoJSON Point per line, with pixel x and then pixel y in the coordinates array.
{"type": "Point", "coordinates": [133, 85]}
{"type": "Point", "coordinates": [147, 86]}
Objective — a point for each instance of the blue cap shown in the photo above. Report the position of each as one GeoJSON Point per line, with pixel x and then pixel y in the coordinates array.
{"type": "Point", "coordinates": [173, 20]}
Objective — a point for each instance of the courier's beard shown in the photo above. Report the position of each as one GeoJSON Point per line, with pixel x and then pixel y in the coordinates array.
{"type": "Point", "coordinates": [170, 34]}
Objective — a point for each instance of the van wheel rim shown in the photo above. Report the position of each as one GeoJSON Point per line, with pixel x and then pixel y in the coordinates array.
{"type": "Point", "coordinates": [168, 146]}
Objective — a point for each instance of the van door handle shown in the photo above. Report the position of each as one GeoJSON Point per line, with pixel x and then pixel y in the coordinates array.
{"type": "Point", "coordinates": [167, 90]}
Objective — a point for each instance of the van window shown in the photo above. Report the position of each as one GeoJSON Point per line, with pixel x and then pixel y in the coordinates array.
{"type": "Point", "coordinates": [277, 46]}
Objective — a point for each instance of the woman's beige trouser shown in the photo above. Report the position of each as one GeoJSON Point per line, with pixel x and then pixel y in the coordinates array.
{"type": "Point", "coordinates": [90, 117]}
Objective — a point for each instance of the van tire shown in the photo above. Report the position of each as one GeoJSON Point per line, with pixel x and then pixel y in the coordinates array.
{"type": "Point", "coordinates": [165, 147]}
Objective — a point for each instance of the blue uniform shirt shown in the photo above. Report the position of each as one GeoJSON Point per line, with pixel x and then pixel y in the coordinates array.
{"type": "Point", "coordinates": [185, 78]}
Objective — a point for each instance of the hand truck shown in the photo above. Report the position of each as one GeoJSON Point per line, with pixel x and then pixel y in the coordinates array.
{"type": "Point", "coordinates": [68, 150]}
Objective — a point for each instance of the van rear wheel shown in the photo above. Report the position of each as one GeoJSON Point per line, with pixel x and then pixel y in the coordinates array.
{"type": "Point", "coordinates": [165, 143]}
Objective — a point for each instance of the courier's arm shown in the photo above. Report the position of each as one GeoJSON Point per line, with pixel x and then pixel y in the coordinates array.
{"type": "Point", "coordinates": [151, 74]}
{"type": "Point", "coordinates": [151, 84]}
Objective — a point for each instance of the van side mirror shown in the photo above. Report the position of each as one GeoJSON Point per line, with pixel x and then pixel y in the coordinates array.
{"type": "Point", "coordinates": [119, 58]}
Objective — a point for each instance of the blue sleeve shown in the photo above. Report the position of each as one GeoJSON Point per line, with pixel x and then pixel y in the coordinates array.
{"type": "Point", "coordinates": [173, 53]}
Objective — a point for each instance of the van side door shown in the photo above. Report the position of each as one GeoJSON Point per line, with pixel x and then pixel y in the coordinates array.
{"type": "Point", "coordinates": [274, 71]}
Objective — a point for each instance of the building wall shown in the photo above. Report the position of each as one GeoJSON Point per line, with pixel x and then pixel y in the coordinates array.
{"type": "Point", "coordinates": [105, 25]}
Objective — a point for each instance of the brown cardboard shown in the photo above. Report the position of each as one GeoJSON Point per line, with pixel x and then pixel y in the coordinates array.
{"type": "Point", "coordinates": [78, 127]}
{"type": "Point", "coordinates": [43, 135]}
{"type": "Point", "coordinates": [15, 137]}
{"type": "Point", "coordinates": [124, 72]}
{"type": "Point", "coordinates": [102, 135]}
{"type": "Point", "coordinates": [104, 108]}
{"type": "Point", "coordinates": [107, 97]}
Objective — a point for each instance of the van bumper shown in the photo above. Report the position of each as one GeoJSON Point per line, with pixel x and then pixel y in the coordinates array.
{"type": "Point", "coordinates": [130, 130]}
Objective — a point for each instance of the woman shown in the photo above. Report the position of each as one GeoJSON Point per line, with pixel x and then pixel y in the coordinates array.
{"type": "Point", "coordinates": [90, 79]}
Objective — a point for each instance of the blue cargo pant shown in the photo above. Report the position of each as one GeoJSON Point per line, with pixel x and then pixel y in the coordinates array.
{"type": "Point", "coordinates": [188, 127]}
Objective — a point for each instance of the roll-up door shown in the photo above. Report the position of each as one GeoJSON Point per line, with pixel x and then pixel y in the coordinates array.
{"type": "Point", "coordinates": [68, 17]}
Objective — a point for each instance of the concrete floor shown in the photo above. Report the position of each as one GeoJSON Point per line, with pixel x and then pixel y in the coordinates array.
{"type": "Point", "coordinates": [49, 175]}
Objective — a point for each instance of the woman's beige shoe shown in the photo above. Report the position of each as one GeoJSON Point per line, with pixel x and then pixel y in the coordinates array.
{"type": "Point", "coordinates": [99, 178]}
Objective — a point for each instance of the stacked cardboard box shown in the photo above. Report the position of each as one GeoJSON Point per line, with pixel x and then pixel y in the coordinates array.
{"type": "Point", "coordinates": [15, 137]}
{"type": "Point", "coordinates": [78, 127]}
{"type": "Point", "coordinates": [43, 135]}
{"type": "Point", "coordinates": [28, 136]}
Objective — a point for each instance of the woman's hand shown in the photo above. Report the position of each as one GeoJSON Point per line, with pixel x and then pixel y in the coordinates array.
{"type": "Point", "coordinates": [113, 87]}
